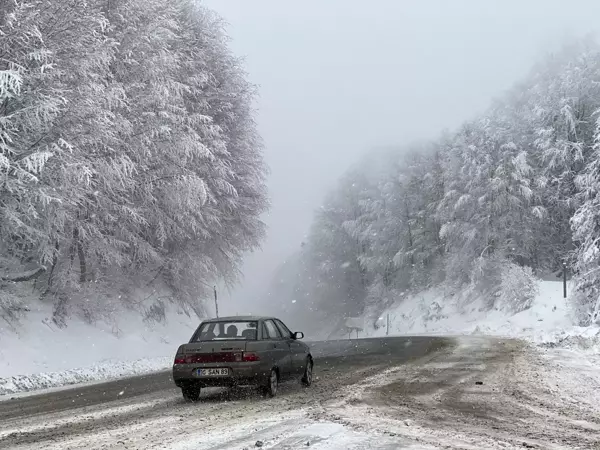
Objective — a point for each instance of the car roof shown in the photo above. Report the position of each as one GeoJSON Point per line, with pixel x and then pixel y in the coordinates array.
{"type": "Point", "coordinates": [238, 318]}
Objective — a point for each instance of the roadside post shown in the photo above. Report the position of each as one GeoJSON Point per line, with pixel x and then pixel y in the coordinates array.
{"type": "Point", "coordinates": [216, 302]}
{"type": "Point", "coordinates": [354, 324]}
{"type": "Point", "coordinates": [564, 280]}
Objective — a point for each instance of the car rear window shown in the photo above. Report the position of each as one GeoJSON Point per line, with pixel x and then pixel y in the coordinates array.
{"type": "Point", "coordinates": [227, 330]}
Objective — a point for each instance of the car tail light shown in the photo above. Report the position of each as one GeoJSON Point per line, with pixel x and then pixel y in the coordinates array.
{"type": "Point", "coordinates": [203, 358]}
{"type": "Point", "coordinates": [250, 356]}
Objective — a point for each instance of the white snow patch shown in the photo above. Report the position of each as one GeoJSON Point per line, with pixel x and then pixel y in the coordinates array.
{"type": "Point", "coordinates": [335, 436]}
{"type": "Point", "coordinates": [548, 320]}
{"type": "Point", "coordinates": [40, 355]}
{"type": "Point", "coordinates": [292, 431]}
{"type": "Point", "coordinates": [576, 375]}
{"type": "Point", "coordinates": [244, 432]}
{"type": "Point", "coordinates": [98, 372]}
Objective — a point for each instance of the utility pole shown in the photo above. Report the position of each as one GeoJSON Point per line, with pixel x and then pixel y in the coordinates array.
{"type": "Point", "coordinates": [216, 302]}
{"type": "Point", "coordinates": [564, 280]}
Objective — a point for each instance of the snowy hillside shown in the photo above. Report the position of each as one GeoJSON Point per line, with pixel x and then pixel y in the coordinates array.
{"type": "Point", "coordinates": [481, 211]}
{"type": "Point", "coordinates": [41, 355]}
{"type": "Point", "coordinates": [548, 320]}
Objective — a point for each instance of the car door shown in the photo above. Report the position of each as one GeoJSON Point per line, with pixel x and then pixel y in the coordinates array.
{"type": "Point", "coordinates": [278, 349]}
{"type": "Point", "coordinates": [298, 350]}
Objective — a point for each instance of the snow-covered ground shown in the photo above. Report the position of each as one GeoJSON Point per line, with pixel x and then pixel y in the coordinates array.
{"type": "Point", "coordinates": [294, 431]}
{"type": "Point", "coordinates": [39, 355]}
{"type": "Point", "coordinates": [548, 321]}
{"type": "Point", "coordinates": [483, 393]}
{"type": "Point", "coordinates": [480, 396]}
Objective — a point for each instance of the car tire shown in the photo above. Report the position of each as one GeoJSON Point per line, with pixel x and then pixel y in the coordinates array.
{"type": "Point", "coordinates": [272, 385]}
{"type": "Point", "coordinates": [190, 393]}
{"type": "Point", "coordinates": [307, 378]}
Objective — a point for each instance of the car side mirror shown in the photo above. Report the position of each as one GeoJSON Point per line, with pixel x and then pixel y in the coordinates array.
{"type": "Point", "coordinates": [298, 335]}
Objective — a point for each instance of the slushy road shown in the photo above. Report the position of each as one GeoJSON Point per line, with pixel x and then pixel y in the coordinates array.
{"type": "Point", "coordinates": [474, 392]}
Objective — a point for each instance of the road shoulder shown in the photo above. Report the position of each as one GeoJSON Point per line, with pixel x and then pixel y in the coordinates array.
{"type": "Point", "coordinates": [485, 393]}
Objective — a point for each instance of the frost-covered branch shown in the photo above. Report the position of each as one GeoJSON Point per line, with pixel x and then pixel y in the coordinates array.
{"type": "Point", "coordinates": [98, 107]}
{"type": "Point", "coordinates": [509, 196]}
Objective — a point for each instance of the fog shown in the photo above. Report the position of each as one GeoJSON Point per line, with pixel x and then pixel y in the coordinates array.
{"type": "Point", "coordinates": [340, 77]}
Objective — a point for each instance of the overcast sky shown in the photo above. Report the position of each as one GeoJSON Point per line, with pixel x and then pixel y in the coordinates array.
{"type": "Point", "coordinates": [339, 77]}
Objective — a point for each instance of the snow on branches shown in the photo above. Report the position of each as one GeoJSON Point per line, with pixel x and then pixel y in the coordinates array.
{"type": "Point", "coordinates": [127, 145]}
{"type": "Point", "coordinates": [511, 194]}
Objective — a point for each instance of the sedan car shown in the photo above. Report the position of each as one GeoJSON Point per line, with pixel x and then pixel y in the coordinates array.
{"type": "Point", "coordinates": [241, 350]}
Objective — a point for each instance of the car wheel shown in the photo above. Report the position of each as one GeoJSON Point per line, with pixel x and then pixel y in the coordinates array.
{"type": "Point", "coordinates": [272, 384]}
{"type": "Point", "coordinates": [190, 393]}
{"type": "Point", "coordinates": [307, 378]}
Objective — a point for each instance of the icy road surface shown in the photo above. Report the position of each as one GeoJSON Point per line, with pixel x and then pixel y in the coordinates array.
{"type": "Point", "coordinates": [395, 393]}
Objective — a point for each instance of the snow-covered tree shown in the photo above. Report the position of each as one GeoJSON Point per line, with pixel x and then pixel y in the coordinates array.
{"type": "Point", "coordinates": [564, 97]}
{"type": "Point", "coordinates": [337, 250]}
{"type": "Point", "coordinates": [511, 195]}
{"type": "Point", "coordinates": [586, 233]}
{"type": "Point", "coordinates": [128, 147]}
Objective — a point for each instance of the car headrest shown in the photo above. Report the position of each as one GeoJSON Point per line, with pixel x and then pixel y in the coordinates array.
{"type": "Point", "coordinates": [249, 334]}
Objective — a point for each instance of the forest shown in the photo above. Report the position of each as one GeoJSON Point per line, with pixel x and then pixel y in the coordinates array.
{"type": "Point", "coordinates": [131, 162]}
{"type": "Point", "coordinates": [129, 156]}
{"type": "Point", "coordinates": [510, 197]}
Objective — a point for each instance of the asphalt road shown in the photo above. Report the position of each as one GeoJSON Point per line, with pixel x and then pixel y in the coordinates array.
{"type": "Point", "coordinates": [411, 393]}
{"type": "Point", "coordinates": [330, 356]}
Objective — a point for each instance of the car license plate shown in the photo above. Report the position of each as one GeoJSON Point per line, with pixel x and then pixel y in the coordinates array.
{"type": "Point", "coordinates": [212, 372]}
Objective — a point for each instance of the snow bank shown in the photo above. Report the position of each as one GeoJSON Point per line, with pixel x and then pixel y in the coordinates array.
{"type": "Point", "coordinates": [547, 322]}
{"type": "Point", "coordinates": [36, 354]}
{"type": "Point", "coordinates": [99, 372]}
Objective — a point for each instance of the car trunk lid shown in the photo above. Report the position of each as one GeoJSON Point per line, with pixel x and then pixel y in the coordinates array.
{"type": "Point", "coordinates": [213, 352]}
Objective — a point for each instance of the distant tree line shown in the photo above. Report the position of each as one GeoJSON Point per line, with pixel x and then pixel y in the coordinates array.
{"type": "Point", "coordinates": [511, 195]}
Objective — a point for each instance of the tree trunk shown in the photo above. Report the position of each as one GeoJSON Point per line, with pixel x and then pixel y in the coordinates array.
{"type": "Point", "coordinates": [80, 253]}
{"type": "Point", "coordinates": [59, 313]}
{"type": "Point", "coordinates": [54, 263]}
{"type": "Point", "coordinates": [82, 264]}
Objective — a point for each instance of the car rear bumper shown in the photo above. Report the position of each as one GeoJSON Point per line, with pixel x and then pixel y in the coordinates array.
{"type": "Point", "coordinates": [246, 374]}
